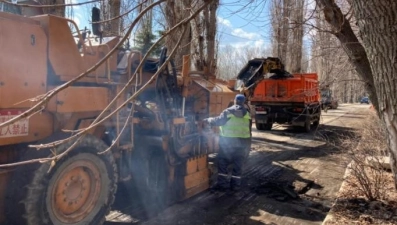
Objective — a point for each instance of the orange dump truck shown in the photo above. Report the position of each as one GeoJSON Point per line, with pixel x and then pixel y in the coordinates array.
{"type": "Point", "coordinates": [281, 97]}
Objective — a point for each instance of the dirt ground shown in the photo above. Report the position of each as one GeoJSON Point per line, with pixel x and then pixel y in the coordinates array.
{"type": "Point", "coordinates": [290, 178]}
{"type": "Point", "coordinates": [367, 194]}
{"type": "Point", "coordinates": [353, 208]}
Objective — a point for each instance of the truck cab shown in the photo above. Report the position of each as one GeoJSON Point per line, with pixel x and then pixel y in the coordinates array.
{"type": "Point", "coordinates": [327, 99]}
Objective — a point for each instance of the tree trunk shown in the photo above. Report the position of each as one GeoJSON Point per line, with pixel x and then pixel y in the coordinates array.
{"type": "Point", "coordinates": [197, 48]}
{"type": "Point", "coordinates": [176, 11]}
{"type": "Point", "coordinates": [203, 38]}
{"type": "Point", "coordinates": [350, 43]}
{"type": "Point", "coordinates": [377, 23]}
{"type": "Point", "coordinates": [375, 60]}
{"type": "Point", "coordinates": [276, 27]}
{"type": "Point", "coordinates": [210, 37]}
{"type": "Point", "coordinates": [58, 11]}
{"type": "Point", "coordinates": [115, 7]}
{"type": "Point", "coordinates": [296, 47]}
{"type": "Point", "coordinates": [280, 26]}
{"type": "Point", "coordinates": [111, 9]}
{"type": "Point", "coordinates": [285, 31]}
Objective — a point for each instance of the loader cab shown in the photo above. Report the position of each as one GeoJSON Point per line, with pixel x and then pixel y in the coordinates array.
{"type": "Point", "coordinates": [18, 10]}
{"type": "Point", "coordinates": [4, 7]}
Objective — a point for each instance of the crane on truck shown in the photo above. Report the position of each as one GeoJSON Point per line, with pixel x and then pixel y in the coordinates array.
{"type": "Point", "coordinates": [160, 157]}
{"type": "Point", "coordinates": [278, 96]}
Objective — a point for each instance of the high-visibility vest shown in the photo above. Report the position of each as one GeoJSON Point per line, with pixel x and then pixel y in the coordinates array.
{"type": "Point", "coordinates": [236, 127]}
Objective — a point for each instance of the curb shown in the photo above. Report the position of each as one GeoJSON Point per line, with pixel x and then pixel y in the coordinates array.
{"type": "Point", "coordinates": [330, 215]}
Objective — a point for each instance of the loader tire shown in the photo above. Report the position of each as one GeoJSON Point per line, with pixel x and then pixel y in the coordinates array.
{"type": "Point", "coordinates": [78, 190]}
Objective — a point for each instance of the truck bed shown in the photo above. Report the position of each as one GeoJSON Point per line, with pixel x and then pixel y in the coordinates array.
{"type": "Point", "coordinates": [302, 88]}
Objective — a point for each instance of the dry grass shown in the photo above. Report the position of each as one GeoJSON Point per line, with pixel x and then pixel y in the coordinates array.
{"type": "Point", "coordinates": [353, 208]}
{"type": "Point", "coordinates": [366, 149]}
{"type": "Point", "coordinates": [367, 195]}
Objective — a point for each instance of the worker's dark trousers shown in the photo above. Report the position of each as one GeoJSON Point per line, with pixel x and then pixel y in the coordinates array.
{"type": "Point", "coordinates": [236, 157]}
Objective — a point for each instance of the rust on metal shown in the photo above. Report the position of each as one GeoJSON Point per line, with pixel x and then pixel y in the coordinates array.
{"type": "Point", "coordinates": [76, 191]}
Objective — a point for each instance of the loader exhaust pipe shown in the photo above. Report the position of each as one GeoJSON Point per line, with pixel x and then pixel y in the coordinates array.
{"type": "Point", "coordinates": [185, 80]}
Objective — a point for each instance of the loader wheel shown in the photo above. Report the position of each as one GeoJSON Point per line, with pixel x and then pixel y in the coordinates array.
{"type": "Point", "coordinates": [78, 190]}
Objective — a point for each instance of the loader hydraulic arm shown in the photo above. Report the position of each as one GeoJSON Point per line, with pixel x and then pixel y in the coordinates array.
{"type": "Point", "coordinates": [256, 69]}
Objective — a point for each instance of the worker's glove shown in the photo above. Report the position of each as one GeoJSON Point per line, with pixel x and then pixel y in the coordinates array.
{"type": "Point", "coordinates": [207, 123]}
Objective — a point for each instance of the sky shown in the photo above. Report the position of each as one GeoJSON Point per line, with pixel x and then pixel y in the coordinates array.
{"type": "Point", "coordinates": [238, 24]}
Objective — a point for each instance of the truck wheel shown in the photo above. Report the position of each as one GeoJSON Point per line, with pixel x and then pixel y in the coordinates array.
{"type": "Point", "coordinates": [316, 124]}
{"type": "Point", "coordinates": [307, 126]}
{"type": "Point", "coordinates": [78, 190]}
{"type": "Point", "coordinates": [259, 126]}
{"type": "Point", "coordinates": [267, 126]}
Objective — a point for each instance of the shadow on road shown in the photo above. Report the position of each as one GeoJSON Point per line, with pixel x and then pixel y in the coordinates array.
{"type": "Point", "coordinates": [273, 190]}
{"type": "Point", "coordinates": [273, 193]}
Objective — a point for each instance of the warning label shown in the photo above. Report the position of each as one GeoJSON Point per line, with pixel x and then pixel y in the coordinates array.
{"type": "Point", "coordinates": [19, 128]}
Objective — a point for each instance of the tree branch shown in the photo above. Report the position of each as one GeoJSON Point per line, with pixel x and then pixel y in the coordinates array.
{"type": "Point", "coordinates": [350, 43]}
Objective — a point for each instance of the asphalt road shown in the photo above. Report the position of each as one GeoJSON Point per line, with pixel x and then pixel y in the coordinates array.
{"type": "Point", "coordinates": [290, 178]}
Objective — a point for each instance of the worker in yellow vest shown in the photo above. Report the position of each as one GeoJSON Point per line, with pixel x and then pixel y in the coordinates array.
{"type": "Point", "coordinates": [234, 143]}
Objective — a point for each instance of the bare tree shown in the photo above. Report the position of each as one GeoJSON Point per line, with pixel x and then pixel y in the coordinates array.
{"type": "Point", "coordinates": [374, 58]}
{"type": "Point", "coordinates": [58, 10]}
{"type": "Point", "coordinates": [175, 11]}
{"type": "Point", "coordinates": [331, 63]}
{"type": "Point", "coordinates": [288, 30]}
{"type": "Point", "coordinates": [211, 24]}
{"type": "Point", "coordinates": [200, 42]}
{"type": "Point", "coordinates": [280, 25]}
{"type": "Point", "coordinates": [111, 11]}
{"type": "Point", "coordinates": [233, 59]}
{"type": "Point", "coordinates": [296, 43]}
{"type": "Point", "coordinates": [227, 62]}
{"type": "Point", "coordinates": [204, 32]}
